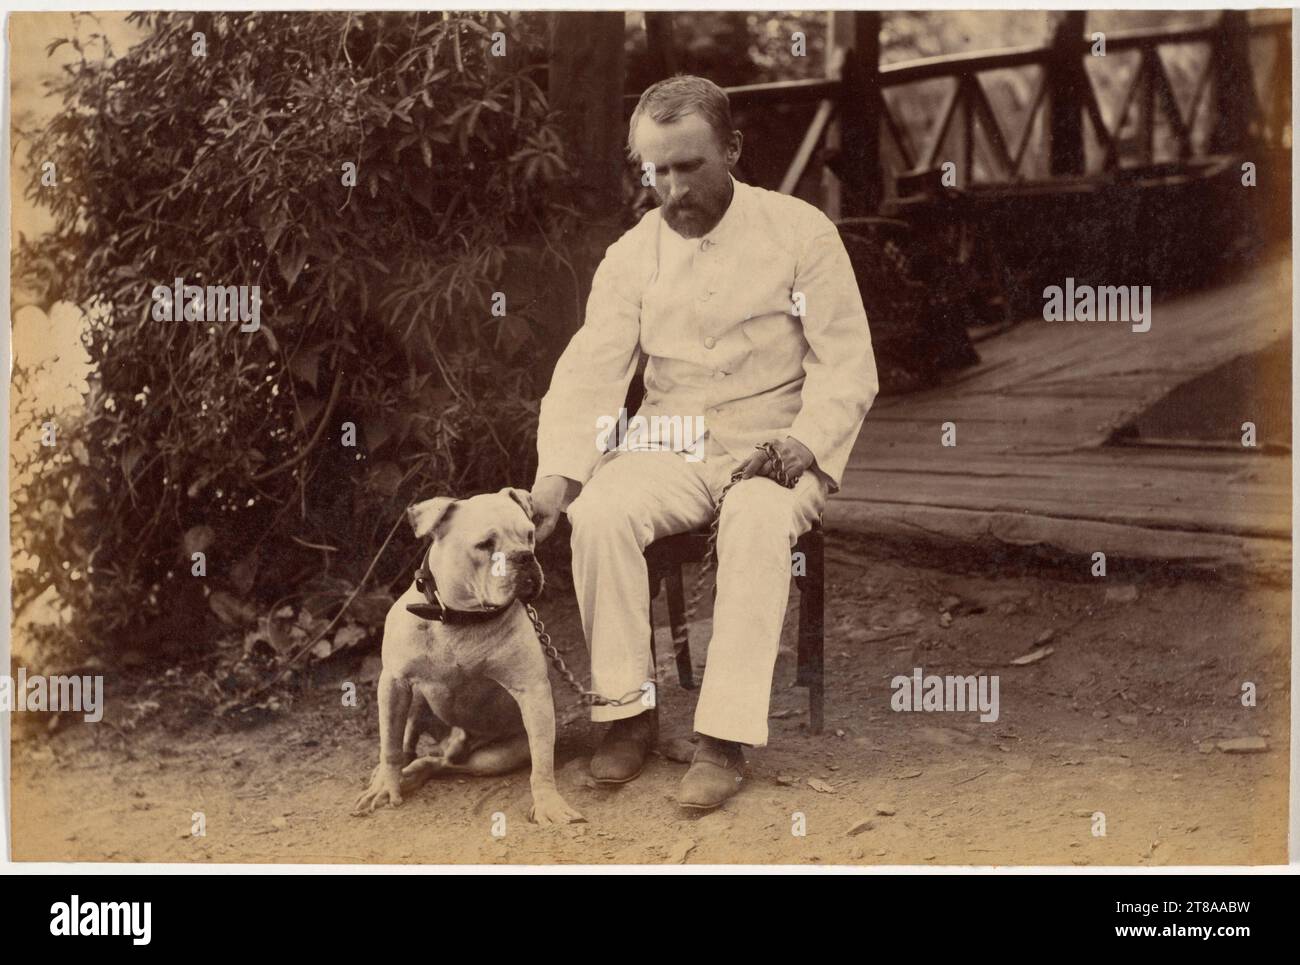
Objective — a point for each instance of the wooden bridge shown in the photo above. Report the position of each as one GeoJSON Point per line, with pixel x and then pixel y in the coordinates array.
{"type": "Point", "coordinates": [1033, 464]}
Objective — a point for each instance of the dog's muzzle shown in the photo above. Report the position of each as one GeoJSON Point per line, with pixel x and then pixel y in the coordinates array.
{"type": "Point", "coordinates": [529, 579]}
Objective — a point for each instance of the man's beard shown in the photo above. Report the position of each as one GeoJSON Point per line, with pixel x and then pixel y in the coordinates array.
{"type": "Point", "coordinates": [689, 222]}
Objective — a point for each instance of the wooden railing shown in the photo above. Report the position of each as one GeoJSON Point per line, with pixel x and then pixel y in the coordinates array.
{"type": "Point", "coordinates": [1065, 91]}
{"type": "Point", "coordinates": [1066, 88]}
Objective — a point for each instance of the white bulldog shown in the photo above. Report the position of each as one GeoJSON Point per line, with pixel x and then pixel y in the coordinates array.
{"type": "Point", "coordinates": [462, 661]}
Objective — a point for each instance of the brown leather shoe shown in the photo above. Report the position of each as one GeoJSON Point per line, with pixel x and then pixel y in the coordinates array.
{"type": "Point", "coordinates": [715, 774]}
{"type": "Point", "coordinates": [623, 748]}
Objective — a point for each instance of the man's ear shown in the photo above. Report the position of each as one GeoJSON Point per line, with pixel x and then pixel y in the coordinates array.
{"type": "Point", "coordinates": [425, 516]}
{"type": "Point", "coordinates": [733, 148]}
{"type": "Point", "coordinates": [523, 497]}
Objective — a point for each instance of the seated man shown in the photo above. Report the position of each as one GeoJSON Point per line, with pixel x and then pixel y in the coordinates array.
{"type": "Point", "coordinates": [745, 303]}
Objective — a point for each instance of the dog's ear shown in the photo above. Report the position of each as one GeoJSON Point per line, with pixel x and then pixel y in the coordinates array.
{"type": "Point", "coordinates": [424, 517]}
{"type": "Point", "coordinates": [523, 497]}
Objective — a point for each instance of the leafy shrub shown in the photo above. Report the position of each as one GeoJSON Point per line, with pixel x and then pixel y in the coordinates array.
{"type": "Point", "coordinates": [227, 168]}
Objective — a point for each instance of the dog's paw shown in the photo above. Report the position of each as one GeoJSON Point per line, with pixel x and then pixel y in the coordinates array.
{"type": "Point", "coordinates": [553, 809]}
{"type": "Point", "coordinates": [423, 769]}
{"type": "Point", "coordinates": [385, 788]}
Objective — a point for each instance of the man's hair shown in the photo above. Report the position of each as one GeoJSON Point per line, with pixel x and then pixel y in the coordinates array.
{"type": "Point", "coordinates": [668, 100]}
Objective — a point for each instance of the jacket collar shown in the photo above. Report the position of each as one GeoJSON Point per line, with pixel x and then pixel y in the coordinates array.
{"type": "Point", "coordinates": [728, 225]}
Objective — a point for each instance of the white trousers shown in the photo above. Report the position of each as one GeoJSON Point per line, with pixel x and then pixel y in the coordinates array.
{"type": "Point", "coordinates": [633, 499]}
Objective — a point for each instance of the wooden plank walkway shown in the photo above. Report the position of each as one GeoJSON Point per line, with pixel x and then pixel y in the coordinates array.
{"type": "Point", "coordinates": [1029, 466]}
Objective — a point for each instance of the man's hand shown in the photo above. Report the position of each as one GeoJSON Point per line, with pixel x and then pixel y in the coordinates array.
{"type": "Point", "coordinates": [795, 456]}
{"type": "Point", "coordinates": [550, 495]}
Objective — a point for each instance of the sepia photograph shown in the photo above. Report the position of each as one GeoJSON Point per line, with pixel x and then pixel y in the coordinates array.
{"type": "Point", "coordinates": [825, 439]}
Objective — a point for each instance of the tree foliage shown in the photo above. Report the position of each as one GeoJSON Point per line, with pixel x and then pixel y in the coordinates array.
{"type": "Point", "coordinates": [216, 151]}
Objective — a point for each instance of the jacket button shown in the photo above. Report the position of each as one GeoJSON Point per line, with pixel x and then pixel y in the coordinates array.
{"type": "Point", "coordinates": [710, 342]}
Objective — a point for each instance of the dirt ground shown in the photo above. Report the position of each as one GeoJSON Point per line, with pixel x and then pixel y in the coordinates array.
{"type": "Point", "coordinates": [1123, 718]}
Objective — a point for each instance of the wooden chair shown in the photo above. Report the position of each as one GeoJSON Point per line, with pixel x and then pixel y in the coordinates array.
{"type": "Point", "coordinates": [665, 559]}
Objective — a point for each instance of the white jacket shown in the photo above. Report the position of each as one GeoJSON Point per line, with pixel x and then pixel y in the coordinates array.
{"type": "Point", "coordinates": [719, 319]}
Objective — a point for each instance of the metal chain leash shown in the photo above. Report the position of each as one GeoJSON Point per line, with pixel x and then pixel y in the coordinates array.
{"type": "Point", "coordinates": [590, 697]}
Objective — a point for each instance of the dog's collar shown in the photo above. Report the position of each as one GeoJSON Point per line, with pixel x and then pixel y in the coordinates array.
{"type": "Point", "coordinates": [438, 611]}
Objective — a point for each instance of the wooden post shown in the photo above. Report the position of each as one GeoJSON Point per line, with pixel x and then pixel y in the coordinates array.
{"type": "Point", "coordinates": [839, 24]}
{"type": "Point", "coordinates": [1234, 96]}
{"type": "Point", "coordinates": [661, 44]}
{"type": "Point", "coordinates": [1279, 102]}
{"type": "Point", "coordinates": [861, 186]}
{"type": "Point", "coordinates": [1146, 104]}
{"type": "Point", "coordinates": [586, 87]}
{"type": "Point", "coordinates": [585, 82]}
{"type": "Point", "coordinates": [1065, 97]}
{"type": "Point", "coordinates": [967, 84]}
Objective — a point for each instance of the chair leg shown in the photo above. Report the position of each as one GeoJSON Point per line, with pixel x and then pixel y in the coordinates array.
{"type": "Point", "coordinates": [816, 707]}
{"type": "Point", "coordinates": [650, 620]}
{"type": "Point", "coordinates": [812, 630]}
{"type": "Point", "coordinates": [654, 657]}
{"type": "Point", "coordinates": [677, 620]}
